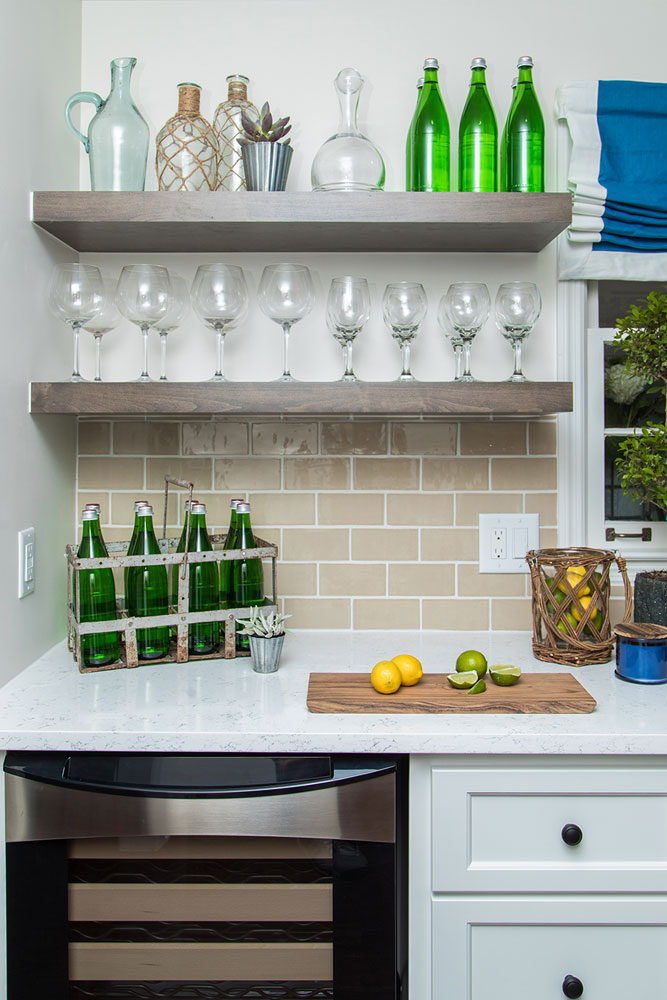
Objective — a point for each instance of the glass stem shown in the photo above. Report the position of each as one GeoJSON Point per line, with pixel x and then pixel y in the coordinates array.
{"type": "Point", "coordinates": [348, 358]}
{"type": "Point", "coordinates": [458, 357]}
{"type": "Point", "coordinates": [516, 344]}
{"type": "Point", "coordinates": [220, 344]}
{"type": "Point", "coordinates": [405, 348]}
{"type": "Point", "coordinates": [75, 371]}
{"type": "Point", "coordinates": [467, 344]}
{"type": "Point", "coordinates": [98, 351]}
{"type": "Point", "coordinates": [144, 334]}
{"type": "Point", "coordinates": [163, 356]}
{"type": "Point", "coordinates": [286, 332]}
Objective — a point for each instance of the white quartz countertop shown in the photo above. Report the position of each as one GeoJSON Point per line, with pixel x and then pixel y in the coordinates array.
{"type": "Point", "coordinates": [222, 705]}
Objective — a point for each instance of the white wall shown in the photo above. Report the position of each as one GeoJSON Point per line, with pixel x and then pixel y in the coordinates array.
{"type": "Point", "coordinates": [36, 455]}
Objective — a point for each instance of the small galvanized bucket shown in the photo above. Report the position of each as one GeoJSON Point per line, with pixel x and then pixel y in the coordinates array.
{"type": "Point", "coordinates": [266, 165]}
{"type": "Point", "coordinates": [265, 652]}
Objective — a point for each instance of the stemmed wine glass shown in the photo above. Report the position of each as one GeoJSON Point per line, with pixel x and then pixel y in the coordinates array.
{"type": "Point", "coordinates": [348, 311]}
{"type": "Point", "coordinates": [103, 322]}
{"type": "Point", "coordinates": [518, 306]}
{"type": "Point", "coordinates": [220, 298]}
{"type": "Point", "coordinates": [75, 296]}
{"type": "Point", "coordinates": [142, 296]}
{"type": "Point", "coordinates": [466, 307]}
{"type": "Point", "coordinates": [454, 338]}
{"type": "Point", "coordinates": [179, 300]}
{"type": "Point", "coordinates": [286, 295]}
{"type": "Point", "coordinates": [404, 306]}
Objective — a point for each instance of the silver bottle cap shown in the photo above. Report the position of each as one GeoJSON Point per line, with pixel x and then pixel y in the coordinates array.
{"type": "Point", "coordinates": [243, 508]}
{"type": "Point", "coordinates": [431, 64]}
{"type": "Point", "coordinates": [93, 506]}
{"type": "Point", "coordinates": [524, 61]}
{"type": "Point", "coordinates": [145, 510]}
{"type": "Point", "coordinates": [478, 63]}
{"type": "Point", "coordinates": [89, 515]}
{"type": "Point", "coordinates": [515, 82]}
{"type": "Point", "coordinates": [235, 501]}
{"type": "Point", "coordinates": [198, 508]}
{"type": "Point", "coordinates": [420, 83]}
{"type": "Point", "coordinates": [139, 504]}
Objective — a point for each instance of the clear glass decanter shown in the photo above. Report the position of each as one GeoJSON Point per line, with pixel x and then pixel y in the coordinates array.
{"type": "Point", "coordinates": [227, 126]}
{"type": "Point", "coordinates": [187, 147]}
{"type": "Point", "coordinates": [348, 161]}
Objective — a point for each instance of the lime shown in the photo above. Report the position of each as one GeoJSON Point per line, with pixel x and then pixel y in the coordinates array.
{"type": "Point", "coordinates": [478, 687]}
{"type": "Point", "coordinates": [471, 659]}
{"type": "Point", "coordinates": [504, 675]}
{"type": "Point", "coordinates": [467, 679]}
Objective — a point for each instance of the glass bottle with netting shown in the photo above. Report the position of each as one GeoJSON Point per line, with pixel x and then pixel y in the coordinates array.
{"type": "Point", "coordinates": [228, 129]}
{"type": "Point", "coordinates": [478, 136]}
{"type": "Point", "coordinates": [187, 147]}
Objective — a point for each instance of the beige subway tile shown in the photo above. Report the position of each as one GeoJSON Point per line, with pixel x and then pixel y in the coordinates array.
{"type": "Point", "coordinates": [353, 579]}
{"type": "Point", "coordinates": [470, 505]}
{"type": "Point", "coordinates": [316, 544]}
{"type": "Point", "coordinates": [114, 533]}
{"type": "Point", "coordinates": [145, 437]}
{"type": "Point", "coordinates": [386, 613]}
{"type": "Point", "coordinates": [456, 613]}
{"type": "Point", "coordinates": [385, 543]}
{"type": "Point", "coordinates": [192, 470]}
{"type": "Point", "coordinates": [350, 508]}
{"type": "Point", "coordinates": [247, 474]}
{"type": "Point", "coordinates": [486, 438]}
{"type": "Point", "coordinates": [270, 535]}
{"type": "Point", "coordinates": [111, 473]}
{"type": "Point", "coordinates": [415, 437]}
{"type": "Point", "coordinates": [322, 612]}
{"type": "Point", "coordinates": [97, 496]}
{"type": "Point", "coordinates": [548, 538]}
{"type": "Point", "coordinates": [353, 437]}
{"type": "Point", "coordinates": [282, 508]}
{"type": "Point", "coordinates": [449, 545]}
{"type": "Point", "coordinates": [284, 438]}
{"type": "Point", "coordinates": [511, 615]}
{"type": "Point", "coordinates": [455, 474]}
{"type": "Point", "coordinates": [472, 583]}
{"type": "Point", "coordinates": [94, 437]}
{"type": "Point", "coordinates": [420, 509]}
{"type": "Point", "coordinates": [421, 580]}
{"type": "Point", "coordinates": [317, 473]}
{"type": "Point", "coordinates": [215, 438]}
{"type": "Point", "coordinates": [523, 473]}
{"type": "Point", "coordinates": [544, 504]}
{"type": "Point", "coordinates": [296, 579]}
{"type": "Point", "coordinates": [542, 437]}
{"type": "Point", "coordinates": [386, 473]}
{"type": "Point", "coordinates": [122, 508]}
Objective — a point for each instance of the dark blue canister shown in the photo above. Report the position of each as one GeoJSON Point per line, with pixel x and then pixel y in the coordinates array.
{"type": "Point", "coordinates": [641, 653]}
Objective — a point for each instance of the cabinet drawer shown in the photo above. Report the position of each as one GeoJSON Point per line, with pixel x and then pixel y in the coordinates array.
{"type": "Point", "coordinates": [505, 830]}
{"type": "Point", "coordinates": [517, 950]}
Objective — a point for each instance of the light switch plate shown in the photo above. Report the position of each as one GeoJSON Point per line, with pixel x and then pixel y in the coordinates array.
{"type": "Point", "coordinates": [26, 562]}
{"type": "Point", "coordinates": [504, 540]}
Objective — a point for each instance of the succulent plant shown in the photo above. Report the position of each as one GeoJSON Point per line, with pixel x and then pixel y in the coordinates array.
{"type": "Point", "coordinates": [263, 625]}
{"type": "Point", "coordinates": [263, 128]}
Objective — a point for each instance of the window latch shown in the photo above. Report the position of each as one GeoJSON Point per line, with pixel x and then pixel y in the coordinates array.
{"type": "Point", "coordinates": [611, 534]}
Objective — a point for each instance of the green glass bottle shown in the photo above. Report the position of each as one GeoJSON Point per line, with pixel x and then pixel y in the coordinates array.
{"type": "Point", "coordinates": [97, 596]}
{"type": "Point", "coordinates": [478, 136]}
{"type": "Point", "coordinates": [502, 180]}
{"type": "Point", "coordinates": [131, 549]}
{"type": "Point", "coordinates": [247, 574]}
{"type": "Point", "coordinates": [148, 591]}
{"type": "Point", "coordinates": [411, 138]}
{"type": "Point", "coordinates": [429, 160]}
{"type": "Point", "coordinates": [176, 568]}
{"type": "Point", "coordinates": [525, 135]}
{"type": "Point", "coordinates": [204, 590]}
{"type": "Point", "coordinates": [227, 566]}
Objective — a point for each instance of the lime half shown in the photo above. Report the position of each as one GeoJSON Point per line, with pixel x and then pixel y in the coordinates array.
{"type": "Point", "coordinates": [478, 687]}
{"type": "Point", "coordinates": [465, 680]}
{"type": "Point", "coordinates": [505, 675]}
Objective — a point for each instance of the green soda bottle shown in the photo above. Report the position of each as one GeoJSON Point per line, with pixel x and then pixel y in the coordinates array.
{"type": "Point", "coordinates": [247, 574]}
{"type": "Point", "coordinates": [148, 591]}
{"type": "Point", "coordinates": [97, 596]}
{"type": "Point", "coordinates": [478, 136]}
{"type": "Point", "coordinates": [411, 138]}
{"type": "Point", "coordinates": [503, 140]}
{"type": "Point", "coordinates": [131, 549]}
{"type": "Point", "coordinates": [429, 160]}
{"type": "Point", "coordinates": [176, 568]}
{"type": "Point", "coordinates": [227, 565]}
{"type": "Point", "coordinates": [525, 135]}
{"type": "Point", "coordinates": [204, 591]}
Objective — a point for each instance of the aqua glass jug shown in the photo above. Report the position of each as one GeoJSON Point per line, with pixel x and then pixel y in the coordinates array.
{"type": "Point", "coordinates": [117, 139]}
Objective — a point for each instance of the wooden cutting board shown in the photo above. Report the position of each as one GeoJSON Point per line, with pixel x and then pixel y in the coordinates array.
{"type": "Point", "coordinates": [534, 694]}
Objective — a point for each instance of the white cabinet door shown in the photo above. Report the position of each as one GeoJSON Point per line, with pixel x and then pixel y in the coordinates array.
{"type": "Point", "coordinates": [509, 949]}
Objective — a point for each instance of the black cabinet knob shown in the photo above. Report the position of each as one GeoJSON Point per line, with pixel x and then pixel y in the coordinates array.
{"type": "Point", "coordinates": [573, 987]}
{"type": "Point", "coordinates": [572, 835]}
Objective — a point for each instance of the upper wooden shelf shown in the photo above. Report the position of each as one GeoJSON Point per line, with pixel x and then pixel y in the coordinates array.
{"type": "Point", "coordinates": [281, 222]}
{"type": "Point", "coordinates": [405, 398]}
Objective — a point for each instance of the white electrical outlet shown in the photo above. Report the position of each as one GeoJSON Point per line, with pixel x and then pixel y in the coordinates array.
{"type": "Point", "coordinates": [504, 540]}
{"type": "Point", "coordinates": [26, 561]}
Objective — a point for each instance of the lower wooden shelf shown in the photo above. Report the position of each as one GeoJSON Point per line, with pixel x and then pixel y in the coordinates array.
{"type": "Point", "coordinates": [412, 398]}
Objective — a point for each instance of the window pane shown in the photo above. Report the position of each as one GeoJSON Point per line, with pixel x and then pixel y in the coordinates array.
{"type": "Point", "coordinates": [616, 297]}
{"type": "Point", "coordinates": [628, 401]}
{"type": "Point", "coordinates": [618, 506]}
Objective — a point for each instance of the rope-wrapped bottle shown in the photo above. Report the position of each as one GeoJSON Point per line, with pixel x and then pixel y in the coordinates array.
{"type": "Point", "coordinates": [187, 147]}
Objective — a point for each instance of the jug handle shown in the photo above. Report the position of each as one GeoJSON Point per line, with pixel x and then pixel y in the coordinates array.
{"type": "Point", "coordinates": [89, 97]}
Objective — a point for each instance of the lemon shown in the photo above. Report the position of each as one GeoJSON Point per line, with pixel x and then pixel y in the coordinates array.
{"type": "Point", "coordinates": [410, 668]}
{"type": "Point", "coordinates": [467, 679]}
{"type": "Point", "coordinates": [584, 601]}
{"type": "Point", "coordinates": [579, 570]}
{"type": "Point", "coordinates": [574, 580]}
{"type": "Point", "coordinates": [472, 659]}
{"type": "Point", "coordinates": [478, 687]}
{"type": "Point", "coordinates": [386, 677]}
{"type": "Point", "coordinates": [504, 675]}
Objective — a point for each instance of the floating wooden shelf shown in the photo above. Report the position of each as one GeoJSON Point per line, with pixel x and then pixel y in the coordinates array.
{"type": "Point", "coordinates": [282, 222]}
{"type": "Point", "coordinates": [381, 398]}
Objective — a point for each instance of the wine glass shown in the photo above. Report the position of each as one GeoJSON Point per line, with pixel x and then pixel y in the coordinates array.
{"type": "Point", "coordinates": [220, 298]}
{"type": "Point", "coordinates": [142, 296]}
{"type": "Point", "coordinates": [404, 306]}
{"type": "Point", "coordinates": [466, 307]}
{"type": "Point", "coordinates": [454, 338]}
{"type": "Point", "coordinates": [75, 296]}
{"type": "Point", "coordinates": [103, 322]}
{"type": "Point", "coordinates": [348, 311]}
{"type": "Point", "coordinates": [286, 295]}
{"type": "Point", "coordinates": [179, 300]}
{"type": "Point", "coordinates": [518, 306]}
